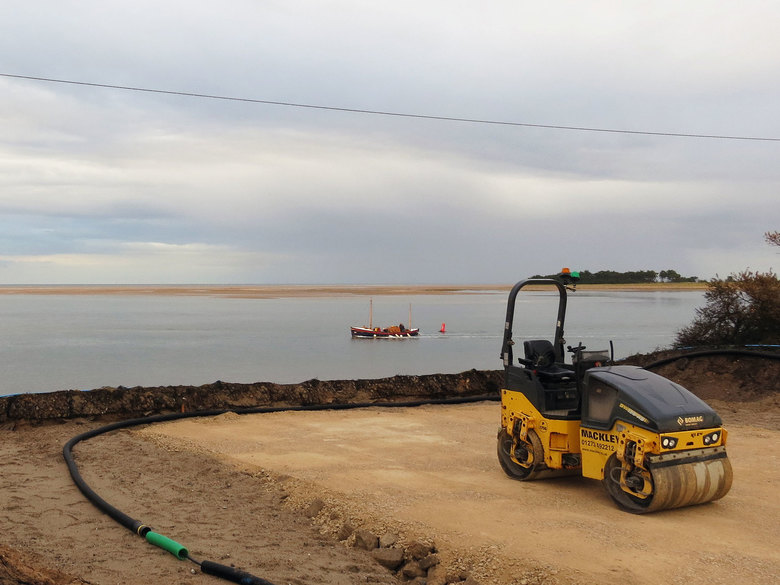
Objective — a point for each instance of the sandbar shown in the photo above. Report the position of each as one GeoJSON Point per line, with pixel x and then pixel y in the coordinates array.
{"type": "Point", "coordinates": [318, 290]}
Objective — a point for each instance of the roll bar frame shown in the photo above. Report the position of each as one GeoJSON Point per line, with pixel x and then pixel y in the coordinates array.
{"type": "Point", "coordinates": [558, 340]}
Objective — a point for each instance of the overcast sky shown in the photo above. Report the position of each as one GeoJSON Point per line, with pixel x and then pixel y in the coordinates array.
{"type": "Point", "coordinates": [102, 185]}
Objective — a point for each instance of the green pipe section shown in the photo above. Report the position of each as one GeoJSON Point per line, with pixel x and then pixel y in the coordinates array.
{"type": "Point", "coordinates": [165, 543]}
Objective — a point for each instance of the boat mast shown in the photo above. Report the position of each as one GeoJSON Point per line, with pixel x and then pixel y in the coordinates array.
{"type": "Point", "coordinates": [410, 315]}
{"type": "Point", "coordinates": [370, 313]}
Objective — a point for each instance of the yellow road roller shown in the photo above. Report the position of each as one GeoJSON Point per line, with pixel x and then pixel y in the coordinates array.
{"type": "Point", "coordinates": [652, 443]}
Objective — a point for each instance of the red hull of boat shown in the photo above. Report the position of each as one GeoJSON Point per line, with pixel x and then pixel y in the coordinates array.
{"type": "Point", "coordinates": [382, 334]}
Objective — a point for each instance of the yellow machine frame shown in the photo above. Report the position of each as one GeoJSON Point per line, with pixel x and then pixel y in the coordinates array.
{"type": "Point", "coordinates": [561, 437]}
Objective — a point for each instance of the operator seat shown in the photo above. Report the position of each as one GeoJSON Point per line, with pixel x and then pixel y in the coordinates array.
{"type": "Point", "coordinates": [541, 355]}
{"type": "Point", "coordinates": [540, 352]}
{"type": "Point", "coordinates": [558, 383]}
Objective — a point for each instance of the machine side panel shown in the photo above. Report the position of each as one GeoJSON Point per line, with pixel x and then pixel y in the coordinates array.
{"type": "Point", "coordinates": [559, 438]}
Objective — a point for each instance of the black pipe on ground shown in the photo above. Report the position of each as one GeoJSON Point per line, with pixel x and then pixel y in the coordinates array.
{"type": "Point", "coordinates": [179, 551]}
{"type": "Point", "coordinates": [710, 352]}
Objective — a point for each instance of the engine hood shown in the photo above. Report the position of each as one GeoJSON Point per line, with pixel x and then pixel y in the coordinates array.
{"type": "Point", "coordinates": [652, 401]}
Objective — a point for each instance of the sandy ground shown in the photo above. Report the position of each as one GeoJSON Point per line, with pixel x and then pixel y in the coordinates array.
{"type": "Point", "coordinates": [234, 490]}
{"type": "Point", "coordinates": [220, 513]}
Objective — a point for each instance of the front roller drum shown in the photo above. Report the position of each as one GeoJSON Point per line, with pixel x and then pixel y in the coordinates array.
{"type": "Point", "coordinates": [691, 483]}
{"type": "Point", "coordinates": [674, 485]}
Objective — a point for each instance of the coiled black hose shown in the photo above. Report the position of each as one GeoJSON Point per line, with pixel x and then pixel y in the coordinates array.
{"type": "Point", "coordinates": [708, 352]}
{"type": "Point", "coordinates": [176, 549]}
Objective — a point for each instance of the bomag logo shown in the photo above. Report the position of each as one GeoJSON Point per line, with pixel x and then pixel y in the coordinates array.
{"type": "Point", "coordinates": [689, 420]}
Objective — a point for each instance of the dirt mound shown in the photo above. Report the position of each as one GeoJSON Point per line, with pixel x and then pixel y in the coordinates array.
{"type": "Point", "coordinates": [730, 376]}
{"type": "Point", "coordinates": [25, 569]}
{"type": "Point", "coordinates": [123, 403]}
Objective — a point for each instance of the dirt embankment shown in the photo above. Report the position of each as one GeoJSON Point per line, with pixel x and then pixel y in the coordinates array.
{"type": "Point", "coordinates": [50, 539]}
{"type": "Point", "coordinates": [736, 379]}
{"type": "Point", "coordinates": [122, 403]}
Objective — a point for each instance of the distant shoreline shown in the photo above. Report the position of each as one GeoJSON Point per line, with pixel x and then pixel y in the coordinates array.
{"type": "Point", "coordinates": [285, 291]}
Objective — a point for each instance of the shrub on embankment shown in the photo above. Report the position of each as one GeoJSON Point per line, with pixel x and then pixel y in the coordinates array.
{"type": "Point", "coordinates": [740, 310]}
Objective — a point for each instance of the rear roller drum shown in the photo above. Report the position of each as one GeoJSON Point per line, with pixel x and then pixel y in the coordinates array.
{"type": "Point", "coordinates": [522, 461]}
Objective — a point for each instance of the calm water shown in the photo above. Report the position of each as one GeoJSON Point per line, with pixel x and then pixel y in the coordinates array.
{"type": "Point", "coordinates": [53, 343]}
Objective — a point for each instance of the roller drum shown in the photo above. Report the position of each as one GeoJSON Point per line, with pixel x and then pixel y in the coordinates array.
{"type": "Point", "coordinates": [675, 480]}
{"type": "Point", "coordinates": [687, 484]}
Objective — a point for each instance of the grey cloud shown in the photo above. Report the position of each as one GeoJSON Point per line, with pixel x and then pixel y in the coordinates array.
{"type": "Point", "coordinates": [319, 194]}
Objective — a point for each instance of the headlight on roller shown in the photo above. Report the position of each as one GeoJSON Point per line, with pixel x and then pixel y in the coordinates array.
{"type": "Point", "coordinates": [711, 438]}
{"type": "Point", "coordinates": [668, 442]}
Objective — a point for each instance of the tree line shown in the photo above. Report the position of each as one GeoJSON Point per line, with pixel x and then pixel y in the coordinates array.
{"type": "Point", "coordinates": [630, 277]}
